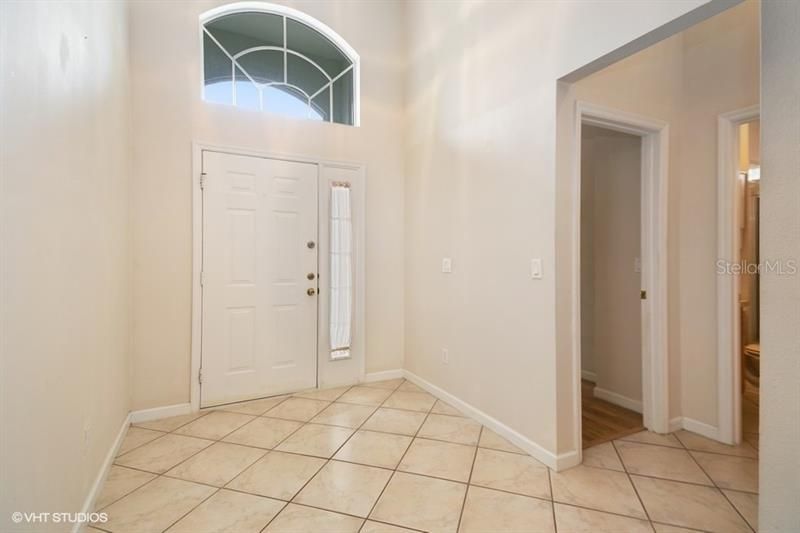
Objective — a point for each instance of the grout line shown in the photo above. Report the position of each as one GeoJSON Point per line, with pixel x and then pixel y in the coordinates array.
{"type": "Point", "coordinates": [719, 489]}
{"type": "Point", "coordinates": [633, 485]}
{"type": "Point", "coordinates": [552, 499]}
{"type": "Point", "coordinates": [469, 479]}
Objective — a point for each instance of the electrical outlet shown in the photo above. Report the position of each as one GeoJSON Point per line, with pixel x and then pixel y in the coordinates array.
{"type": "Point", "coordinates": [445, 356]}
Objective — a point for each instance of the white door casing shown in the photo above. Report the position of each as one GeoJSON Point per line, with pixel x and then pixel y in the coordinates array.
{"type": "Point", "coordinates": [259, 323]}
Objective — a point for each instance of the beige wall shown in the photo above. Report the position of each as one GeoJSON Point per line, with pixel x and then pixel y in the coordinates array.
{"type": "Point", "coordinates": [64, 161]}
{"type": "Point", "coordinates": [610, 245]}
{"type": "Point", "coordinates": [169, 114]}
{"type": "Point", "coordinates": [481, 189]}
{"type": "Point", "coordinates": [780, 295]}
{"type": "Point", "coordinates": [687, 81]}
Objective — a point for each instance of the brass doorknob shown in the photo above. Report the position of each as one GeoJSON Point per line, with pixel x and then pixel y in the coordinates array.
{"type": "Point", "coordinates": [311, 292]}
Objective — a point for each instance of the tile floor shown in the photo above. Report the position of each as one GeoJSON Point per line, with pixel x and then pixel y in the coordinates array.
{"type": "Point", "coordinates": [388, 457]}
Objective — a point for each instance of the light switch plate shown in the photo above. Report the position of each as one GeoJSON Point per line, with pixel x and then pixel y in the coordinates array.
{"type": "Point", "coordinates": [447, 265]}
{"type": "Point", "coordinates": [536, 268]}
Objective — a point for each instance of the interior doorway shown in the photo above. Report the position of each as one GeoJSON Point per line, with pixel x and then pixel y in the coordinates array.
{"type": "Point", "coordinates": [650, 141]}
{"type": "Point", "coordinates": [611, 315]}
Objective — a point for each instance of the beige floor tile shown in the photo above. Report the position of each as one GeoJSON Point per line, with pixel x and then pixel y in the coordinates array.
{"type": "Point", "coordinates": [602, 456]}
{"type": "Point", "coordinates": [119, 482]}
{"type": "Point", "coordinates": [228, 511]}
{"type": "Point", "coordinates": [452, 429]}
{"type": "Point", "coordinates": [365, 396]}
{"type": "Point", "coordinates": [300, 519]}
{"type": "Point", "coordinates": [746, 504]}
{"type": "Point", "coordinates": [512, 472]}
{"type": "Point", "coordinates": [277, 475]}
{"type": "Point", "coordinates": [370, 526]}
{"type": "Point", "coordinates": [317, 440]}
{"type": "Point", "coordinates": [345, 488]}
{"type": "Point", "coordinates": [155, 506]}
{"type": "Point", "coordinates": [254, 407]}
{"type": "Point", "coordinates": [172, 423]}
{"type": "Point", "coordinates": [660, 461]}
{"type": "Point", "coordinates": [410, 387]}
{"type": "Point", "coordinates": [344, 414]}
{"type": "Point", "coordinates": [214, 425]}
{"type": "Point", "coordinates": [441, 408]}
{"type": "Point", "coordinates": [597, 488]}
{"type": "Point", "coordinates": [135, 437]}
{"type": "Point", "coordinates": [439, 459]}
{"type": "Point", "coordinates": [751, 439]}
{"type": "Point", "coordinates": [578, 520]}
{"type": "Point", "coordinates": [263, 432]}
{"type": "Point", "coordinates": [696, 442]}
{"type": "Point", "coordinates": [411, 401]}
{"type": "Point", "coordinates": [374, 449]}
{"type": "Point", "coordinates": [217, 464]}
{"type": "Point", "coordinates": [301, 409]}
{"type": "Point", "coordinates": [162, 454]}
{"type": "Point", "coordinates": [491, 510]}
{"type": "Point", "coordinates": [421, 503]}
{"type": "Point", "coordinates": [648, 437]}
{"type": "Point", "coordinates": [395, 421]}
{"type": "Point", "coordinates": [490, 439]}
{"type": "Point", "coordinates": [730, 472]}
{"type": "Point", "coordinates": [685, 505]}
{"type": "Point", "coordinates": [327, 395]}
{"type": "Point", "coordinates": [390, 384]}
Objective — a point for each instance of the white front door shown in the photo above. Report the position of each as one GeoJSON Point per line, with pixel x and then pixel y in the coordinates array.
{"type": "Point", "coordinates": [259, 331]}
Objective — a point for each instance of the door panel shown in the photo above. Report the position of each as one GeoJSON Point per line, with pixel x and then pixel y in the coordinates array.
{"type": "Point", "coordinates": [259, 324]}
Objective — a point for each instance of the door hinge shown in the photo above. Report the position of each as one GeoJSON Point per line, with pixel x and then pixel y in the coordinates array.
{"type": "Point", "coordinates": [643, 295]}
{"type": "Point", "coordinates": [200, 376]}
{"type": "Point", "coordinates": [202, 180]}
{"type": "Point", "coordinates": [202, 278]}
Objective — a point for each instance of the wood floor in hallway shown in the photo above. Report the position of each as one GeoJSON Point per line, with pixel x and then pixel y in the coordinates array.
{"type": "Point", "coordinates": [604, 421]}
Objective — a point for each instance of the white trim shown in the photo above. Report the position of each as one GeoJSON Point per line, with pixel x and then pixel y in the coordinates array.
{"type": "Point", "coordinates": [655, 364]}
{"type": "Point", "coordinates": [157, 413]}
{"type": "Point", "coordinates": [550, 459]}
{"type": "Point", "coordinates": [618, 399]}
{"type": "Point", "coordinates": [288, 12]}
{"type": "Point", "coordinates": [701, 428]}
{"type": "Point", "coordinates": [100, 479]}
{"type": "Point", "coordinates": [729, 409]}
{"type": "Point", "coordinates": [359, 235]}
{"type": "Point", "coordinates": [383, 375]}
{"type": "Point", "coordinates": [588, 375]}
{"type": "Point", "coordinates": [695, 426]}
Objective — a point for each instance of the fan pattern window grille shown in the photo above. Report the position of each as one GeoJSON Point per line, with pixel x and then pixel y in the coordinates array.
{"type": "Point", "coordinates": [272, 62]}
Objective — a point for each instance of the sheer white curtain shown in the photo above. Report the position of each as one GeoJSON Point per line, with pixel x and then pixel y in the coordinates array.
{"type": "Point", "coordinates": [341, 271]}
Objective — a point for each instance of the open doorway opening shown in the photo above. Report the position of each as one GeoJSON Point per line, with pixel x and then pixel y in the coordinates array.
{"type": "Point", "coordinates": [749, 180]}
{"type": "Point", "coordinates": [611, 318]}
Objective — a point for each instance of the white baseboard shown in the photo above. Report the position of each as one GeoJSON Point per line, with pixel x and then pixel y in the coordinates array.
{"type": "Point", "coordinates": [701, 428]}
{"type": "Point", "coordinates": [100, 480]}
{"type": "Point", "coordinates": [675, 424]}
{"type": "Point", "coordinates": [557, 463]}
{"type": "Point", "coordinates": [588, 375]}
{"type": "Point", "coordinates": [618, 399]}
{"type": "Point", "coordinates": [383, 375]}
{"type": "Point", "coordinates": [145, 415]}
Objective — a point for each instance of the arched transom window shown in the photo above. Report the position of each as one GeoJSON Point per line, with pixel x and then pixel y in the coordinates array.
{"type": "Point", "coordinates": [275, 59]}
